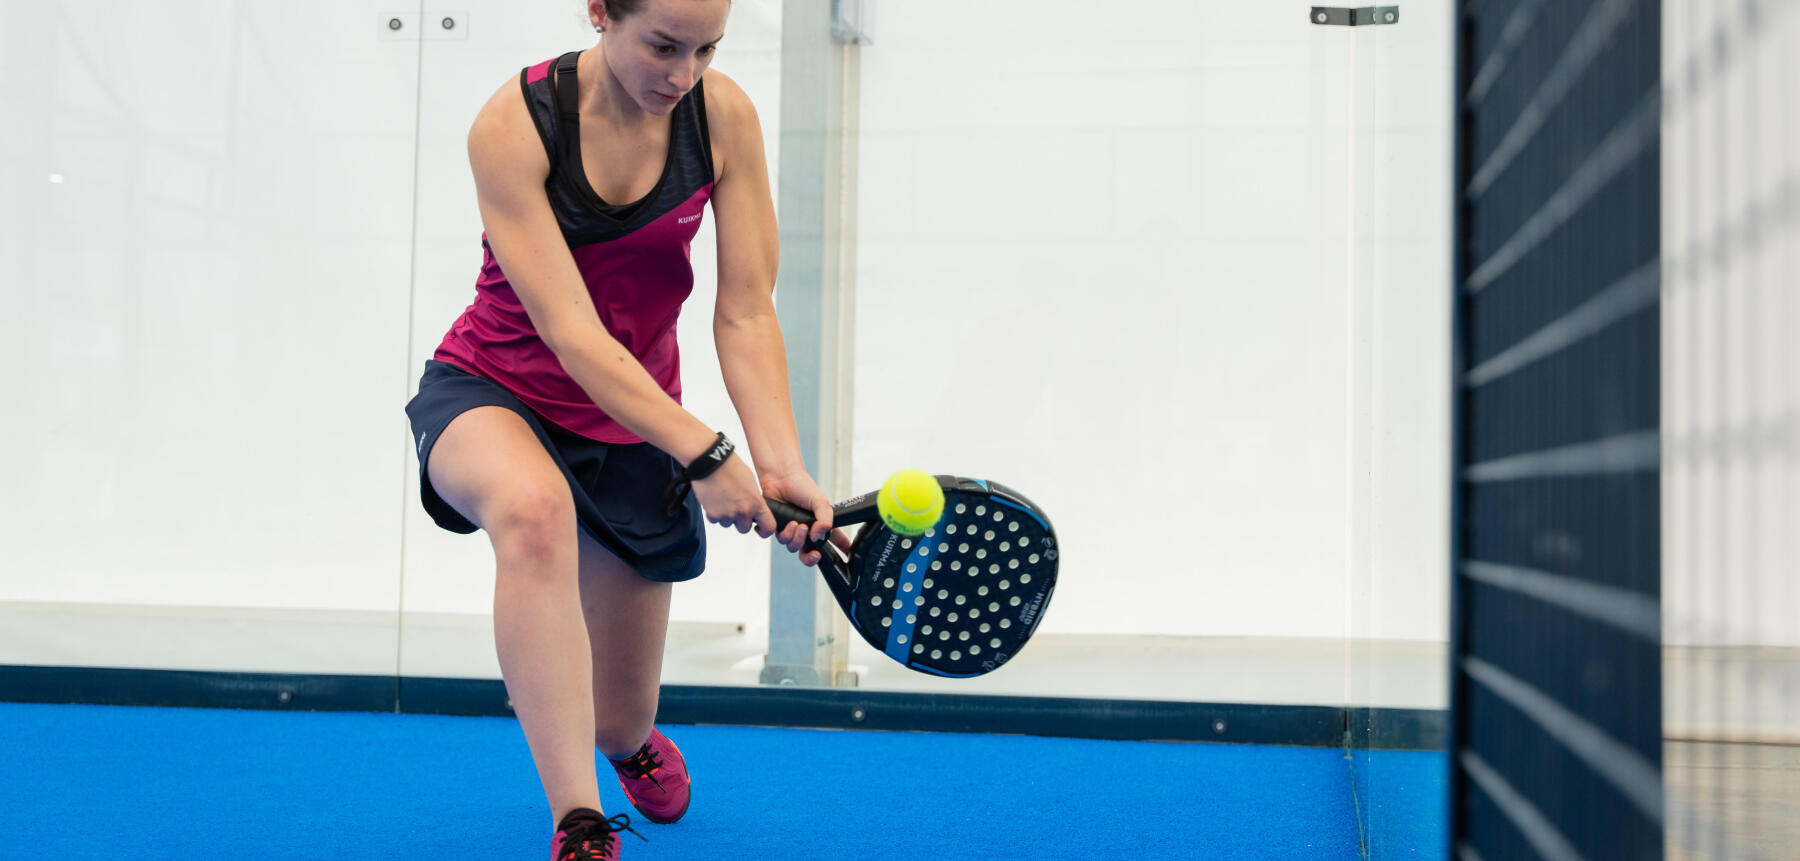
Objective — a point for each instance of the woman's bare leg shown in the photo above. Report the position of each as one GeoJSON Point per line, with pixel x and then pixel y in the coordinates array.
{"type": "Point", "coordinates": [492, 469]}
{"type": "Point", "coordinates": [627, 623]}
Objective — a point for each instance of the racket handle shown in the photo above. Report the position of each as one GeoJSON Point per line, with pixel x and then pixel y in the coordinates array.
{"type": "Point", "coordinates": [786, 514]}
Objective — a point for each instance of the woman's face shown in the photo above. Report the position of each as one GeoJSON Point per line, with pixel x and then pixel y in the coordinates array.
{"type": "Point", "coordinates": [659, 52]}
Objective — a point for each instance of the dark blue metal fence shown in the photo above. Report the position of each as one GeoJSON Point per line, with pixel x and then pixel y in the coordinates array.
{"type": "Point", "coordinates": [1556, 727]}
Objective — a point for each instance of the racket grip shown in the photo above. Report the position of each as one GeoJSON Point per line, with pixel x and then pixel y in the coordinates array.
{"type": "Point", "coordinates": [786, 514]}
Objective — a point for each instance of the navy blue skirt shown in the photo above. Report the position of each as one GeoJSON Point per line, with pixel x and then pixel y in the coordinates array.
{"type": "Point", "coordinates": [618, 488]}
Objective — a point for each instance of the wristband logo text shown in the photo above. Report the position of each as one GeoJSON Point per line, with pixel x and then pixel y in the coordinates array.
{"type": "Point", "coordinates": [720, 450]}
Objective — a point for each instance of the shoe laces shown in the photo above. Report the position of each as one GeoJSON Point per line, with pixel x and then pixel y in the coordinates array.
{"type": "Point", "coordinates": [588, 838]}
{"type": "Point", "coordinates": [644, 763]}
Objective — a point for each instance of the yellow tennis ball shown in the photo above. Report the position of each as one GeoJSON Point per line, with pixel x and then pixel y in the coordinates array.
{"type": "Point", "coordinates": [910, 502]}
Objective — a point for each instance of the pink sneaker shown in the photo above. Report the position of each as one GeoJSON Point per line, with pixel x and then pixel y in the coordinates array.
{"type": "Point", "coordinates": [587, 835]}
{"type": "Point", "coordinates": [655, 779]}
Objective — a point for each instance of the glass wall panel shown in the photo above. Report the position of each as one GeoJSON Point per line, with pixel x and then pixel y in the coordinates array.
{"type": "Point", "coordinates": [205, 213]}
{"type": "Point", "coordinates": [1401, 81]}
{"type": "Point", "coordinates": [1124, 238]}
{"type": "Point", "coordinates": [1730, 173]}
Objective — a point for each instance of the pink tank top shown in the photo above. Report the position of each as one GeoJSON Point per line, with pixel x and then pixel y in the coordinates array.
{"type": "Point", "coordinates": [633, 257]}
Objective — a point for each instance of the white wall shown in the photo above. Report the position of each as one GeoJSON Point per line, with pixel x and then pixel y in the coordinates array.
{"type": "Point", "coordinates": [1404, 80]}
{"type": "Point", "coordinates": [1731, 377]}
{"type": "Point", "coordinates": [1132, 231]}
{"type": "Point", "coordinates": [1105, 258]}
{"type": "Point", "coordinates": [1399, 359]}
{"type": "Point", "coordinates": [207, 311]}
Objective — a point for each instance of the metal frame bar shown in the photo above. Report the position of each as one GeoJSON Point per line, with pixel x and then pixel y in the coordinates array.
{"type": "Point", "coordinates": [808, 637]}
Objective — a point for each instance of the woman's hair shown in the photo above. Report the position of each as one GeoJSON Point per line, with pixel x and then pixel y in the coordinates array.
{"type": "Point", "coordinates": [619, 10]}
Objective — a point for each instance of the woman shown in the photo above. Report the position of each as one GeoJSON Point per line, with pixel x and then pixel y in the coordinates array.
{"type": "Point", "coordinates": [550, 416]}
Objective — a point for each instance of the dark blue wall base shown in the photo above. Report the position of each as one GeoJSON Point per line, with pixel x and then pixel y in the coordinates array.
{"type": "Point", "coordinates": [828, 708]}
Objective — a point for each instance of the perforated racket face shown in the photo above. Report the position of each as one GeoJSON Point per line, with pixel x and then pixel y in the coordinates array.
{"type": "Point", "coordinates": [961, 599]}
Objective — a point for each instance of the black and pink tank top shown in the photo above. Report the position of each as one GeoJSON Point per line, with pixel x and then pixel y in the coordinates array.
{"type": "Point", "coordinates": [633, 257]}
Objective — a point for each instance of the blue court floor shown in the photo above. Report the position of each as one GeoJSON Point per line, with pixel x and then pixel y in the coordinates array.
{"type": "Point", "coordinates": [154, 783]}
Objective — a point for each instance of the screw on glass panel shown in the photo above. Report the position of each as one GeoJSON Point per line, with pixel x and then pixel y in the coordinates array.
{"type": "Point", "coordinates": [284, 695]}
{"type": "Point", "coordinates": [449, 23]}
{"type": "Point", "coordinates": [393, 23]}
{"type": "Point", "coordinates": [857, 714]}
{"type": "Point", "coordinates": [1219, 726]}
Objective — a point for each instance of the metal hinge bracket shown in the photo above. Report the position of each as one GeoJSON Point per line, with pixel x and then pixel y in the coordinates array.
{"type": "Point", "coordinates": [1340, 16]}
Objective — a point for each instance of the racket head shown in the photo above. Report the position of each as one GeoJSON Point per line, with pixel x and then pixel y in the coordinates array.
{"type": "Point", "coordinates": [961, 599]}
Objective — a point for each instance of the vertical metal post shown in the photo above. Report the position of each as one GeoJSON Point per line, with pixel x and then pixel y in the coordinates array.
{"type": "Point", "coordinates": [815, 298]}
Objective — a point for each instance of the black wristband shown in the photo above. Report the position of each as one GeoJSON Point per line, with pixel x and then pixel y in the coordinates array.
{"type": "Point", "coordinates": [703, 466]}
{"type": "Point", "coordinates": [709, 463]}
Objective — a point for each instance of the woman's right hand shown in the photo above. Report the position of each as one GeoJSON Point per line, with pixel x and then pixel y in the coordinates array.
{"type": "Point", "coordinates": [731, 496]}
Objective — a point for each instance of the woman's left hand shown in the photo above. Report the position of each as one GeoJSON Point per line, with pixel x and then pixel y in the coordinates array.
{"type": "Point", "coordinates": [797, 488]}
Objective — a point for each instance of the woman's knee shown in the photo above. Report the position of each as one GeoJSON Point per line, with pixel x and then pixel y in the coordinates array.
{"type": "Point", "coordinates": [531, 521]}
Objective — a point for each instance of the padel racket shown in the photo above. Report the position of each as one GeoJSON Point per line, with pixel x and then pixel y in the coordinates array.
{"type": "Point", "coordinates": [957, 601]}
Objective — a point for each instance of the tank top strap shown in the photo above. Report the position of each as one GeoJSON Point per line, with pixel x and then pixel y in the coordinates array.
{"type": "Point", "coordinates": [568, 109]}
{"type": "Point", "coordinates": [540, 103]}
